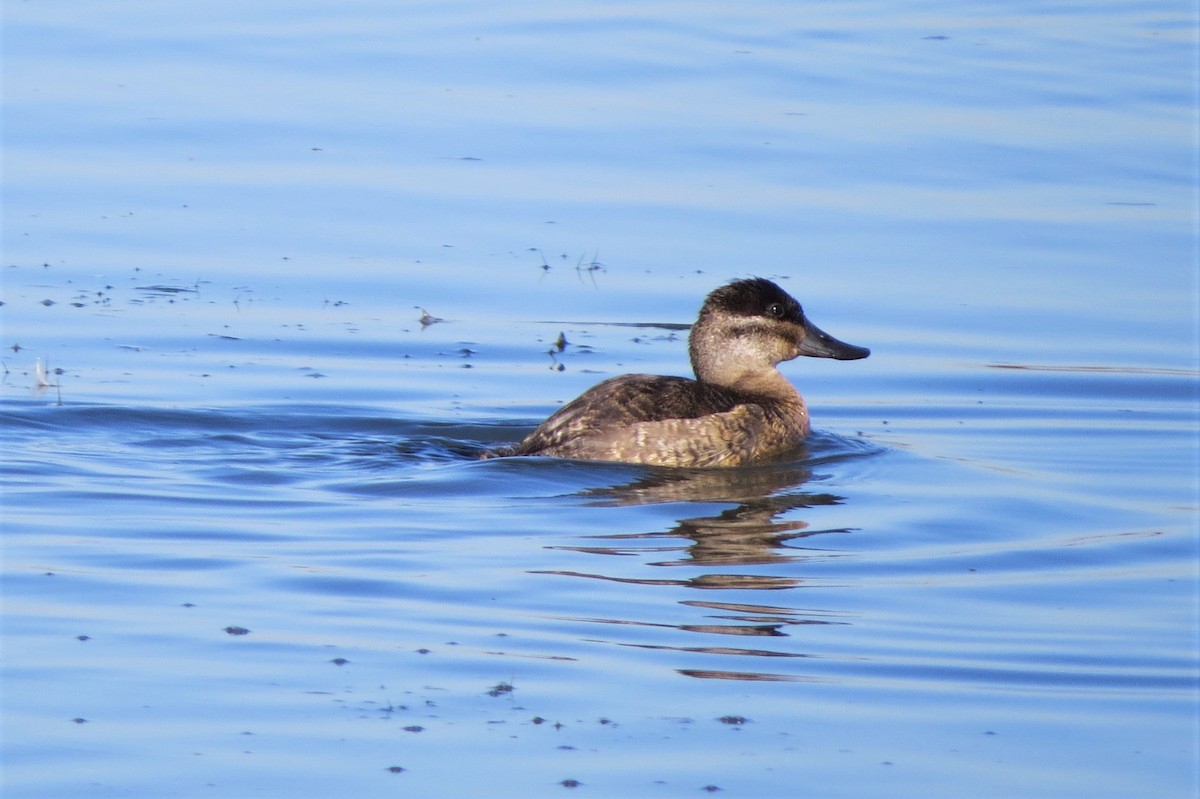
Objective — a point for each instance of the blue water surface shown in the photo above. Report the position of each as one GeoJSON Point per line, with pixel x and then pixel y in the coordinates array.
{"type": "Point", "coordinates": [275, 275]}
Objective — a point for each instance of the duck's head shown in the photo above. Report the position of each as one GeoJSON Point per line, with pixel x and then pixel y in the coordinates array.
{"type": "Point", "coordinates": [748, 326]}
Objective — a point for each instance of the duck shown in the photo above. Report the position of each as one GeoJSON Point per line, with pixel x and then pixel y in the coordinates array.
{"type": "Point", "coordinates": [739, 410]}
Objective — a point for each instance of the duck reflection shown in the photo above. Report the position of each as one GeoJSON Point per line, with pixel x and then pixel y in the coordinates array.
{"type": "Point", "coordinates": [749, 533]}
{"type": "Point", "coordinates": [756, 526]}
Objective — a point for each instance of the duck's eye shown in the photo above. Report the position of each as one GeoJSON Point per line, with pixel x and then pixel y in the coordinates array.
{"type": "Point", "coordinates": [776, 309]}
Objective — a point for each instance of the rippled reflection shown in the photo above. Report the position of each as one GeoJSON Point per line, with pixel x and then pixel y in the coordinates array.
{"type": "Point", "coordinates": [755, 526]}
{"type": "Point", "coordinates": [749, 533]}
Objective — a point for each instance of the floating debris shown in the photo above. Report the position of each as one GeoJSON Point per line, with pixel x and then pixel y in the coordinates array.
{"type": "Point", "coordinates": [590, 268]}
{"type": "Point", "coordinates": [40, 378]}
{"type": "Point", "coordinates": [160, 289]}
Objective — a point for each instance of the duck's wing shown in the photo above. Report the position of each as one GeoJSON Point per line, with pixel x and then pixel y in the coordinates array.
{"type": "Point", "coordinates": [668, 421]}
{"type": "Point", "coordinates": [728, 438]}
{"type": "Point", "coordinates": [615, 403]}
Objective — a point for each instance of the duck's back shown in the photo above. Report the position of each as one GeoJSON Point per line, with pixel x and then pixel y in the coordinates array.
{"type": "Point", "coordinates": [665, 421]}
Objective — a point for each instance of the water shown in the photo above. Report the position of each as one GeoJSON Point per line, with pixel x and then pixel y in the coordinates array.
{"type": "Point", "coordinates": [247, 547]}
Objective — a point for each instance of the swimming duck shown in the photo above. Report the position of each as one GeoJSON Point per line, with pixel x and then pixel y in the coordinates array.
{"type": "Point", "coordinates": [739, 410]}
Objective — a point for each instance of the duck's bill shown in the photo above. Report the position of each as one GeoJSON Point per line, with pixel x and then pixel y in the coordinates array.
{"type": "Point", "coordinates": [819, 344]}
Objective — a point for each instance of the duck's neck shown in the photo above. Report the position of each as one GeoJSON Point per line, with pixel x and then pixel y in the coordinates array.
{"type": "Point", "coordinates": [767, 383]}
{"type": "Point", "coordinates": [738, 364]}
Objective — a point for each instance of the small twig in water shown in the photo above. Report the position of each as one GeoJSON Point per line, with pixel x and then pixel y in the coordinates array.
{"type": "Point", "coordinates": [428, 319]}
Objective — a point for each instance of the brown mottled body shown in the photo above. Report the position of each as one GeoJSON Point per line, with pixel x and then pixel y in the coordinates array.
{"type": "Point", "coordinates": [669, 421]}
{"type": "Point", "coordinates": [738, 410]}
